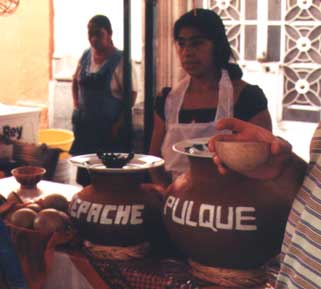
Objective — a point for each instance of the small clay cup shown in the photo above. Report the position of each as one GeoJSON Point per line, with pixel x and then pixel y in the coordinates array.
{"type": "Point", "coordinates": [242, 156]}
{"type": "Point", "coordinates": [28, 176]}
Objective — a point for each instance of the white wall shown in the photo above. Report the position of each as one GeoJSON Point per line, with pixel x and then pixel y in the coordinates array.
{"type": "Point", "coordinates": [71, 18]}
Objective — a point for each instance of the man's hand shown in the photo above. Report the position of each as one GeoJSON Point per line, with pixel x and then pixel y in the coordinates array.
{"type": "Point", "coordinates": [244, 131]}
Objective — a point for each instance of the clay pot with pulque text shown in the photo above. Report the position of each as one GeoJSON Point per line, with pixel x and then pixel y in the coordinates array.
{"type": "Point", "coordinates": [225, 221]}
{"type": "Point", "coordinates": [113, 210]}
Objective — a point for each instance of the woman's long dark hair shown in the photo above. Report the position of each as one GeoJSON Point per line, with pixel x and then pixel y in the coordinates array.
{"type": "Point", "coordinates": [211, 26]}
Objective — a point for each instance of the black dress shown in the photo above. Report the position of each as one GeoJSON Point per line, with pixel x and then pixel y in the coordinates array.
{"type": "Point", "coordinates": [251, 101]}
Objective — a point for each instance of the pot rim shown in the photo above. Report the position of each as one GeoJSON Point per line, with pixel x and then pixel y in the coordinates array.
{"type": "Point", "coordinates": [195, 147]}
{"type": "Point", "coordinates": [139, 162]}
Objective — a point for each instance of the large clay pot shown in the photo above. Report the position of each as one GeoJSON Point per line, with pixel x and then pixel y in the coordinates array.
{"type": "Point", "coordinates": [227, 221]}
{"type": "Point", "coordinates": [115, 208]}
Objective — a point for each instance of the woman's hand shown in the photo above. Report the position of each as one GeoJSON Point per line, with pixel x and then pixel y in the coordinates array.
{"type": "Point", "coordinates": [244, 131]}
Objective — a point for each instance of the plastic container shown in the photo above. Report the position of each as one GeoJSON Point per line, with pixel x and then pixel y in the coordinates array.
{"type": "Point", "coordinates": [62, 139]}
{"type": "Point", "coordinates": [57, 138]}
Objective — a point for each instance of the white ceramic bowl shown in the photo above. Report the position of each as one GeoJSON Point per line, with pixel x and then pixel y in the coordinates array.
{"type": "Point", "coordinates": [242, 156]}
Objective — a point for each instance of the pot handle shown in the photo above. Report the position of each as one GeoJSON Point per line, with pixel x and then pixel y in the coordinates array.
{"type": "Point", "coordinates": [156, 189]}
{"type": "Point", "coordinates": [85, 164]}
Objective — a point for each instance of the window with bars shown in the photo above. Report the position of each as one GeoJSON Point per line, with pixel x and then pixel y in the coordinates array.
{"type": "Point", "coordinates": [286, 32]}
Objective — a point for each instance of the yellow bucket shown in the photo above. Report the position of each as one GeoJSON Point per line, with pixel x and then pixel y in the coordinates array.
{"type": "Point", "coordinates": [57, 138]}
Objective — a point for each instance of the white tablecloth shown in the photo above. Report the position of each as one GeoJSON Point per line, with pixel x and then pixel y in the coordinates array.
{"type": "Point", "coordinates": [7, 185]}
{"type": "Point", "coordinates": [65, 275]}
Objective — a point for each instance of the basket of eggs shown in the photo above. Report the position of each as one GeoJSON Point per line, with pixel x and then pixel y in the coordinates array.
{"type": "Point", "coordinates": [32, 225]}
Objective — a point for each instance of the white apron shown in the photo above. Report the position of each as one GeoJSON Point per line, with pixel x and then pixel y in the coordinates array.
{"type": "Point", "coordinates": [176, 163]}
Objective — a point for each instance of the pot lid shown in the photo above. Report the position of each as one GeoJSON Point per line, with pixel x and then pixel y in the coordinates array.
{"type": "Point", "coordinates": [137, 163]}
{"type": "Point", "coordinates": [195, 147]}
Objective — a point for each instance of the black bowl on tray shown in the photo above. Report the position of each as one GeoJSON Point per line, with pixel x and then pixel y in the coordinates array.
{"type": "Point", "coordinates": [115, 160]}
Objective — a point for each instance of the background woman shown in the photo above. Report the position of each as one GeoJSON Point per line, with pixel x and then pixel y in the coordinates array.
{"type": "Point", "coordinates": [98, 96]}
{"type": "Point", "coordinates": [98, 92]}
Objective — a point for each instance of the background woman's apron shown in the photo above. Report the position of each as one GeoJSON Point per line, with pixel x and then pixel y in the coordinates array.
{"type": "Point", "coordinates": [98, 110]}
{"type": "Point", "coordinates": [176, 163]}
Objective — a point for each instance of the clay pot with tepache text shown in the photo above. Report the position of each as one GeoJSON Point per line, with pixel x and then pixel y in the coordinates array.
{"type": "Point", "coordinates": [114, 209]}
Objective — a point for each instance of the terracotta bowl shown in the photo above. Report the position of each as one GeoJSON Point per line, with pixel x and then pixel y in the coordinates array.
{"type": "Point", "coordinates": [28, 176]}
{"type": "Point", "coordinates": [242, 156]}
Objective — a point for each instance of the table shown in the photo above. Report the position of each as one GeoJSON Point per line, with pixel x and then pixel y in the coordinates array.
{"type": "Point", "coordinates": [9, 184]}
{"type": "Point", "coordinates": [68, 270]}
{"type": "Point", "coordinates": [65, 274]}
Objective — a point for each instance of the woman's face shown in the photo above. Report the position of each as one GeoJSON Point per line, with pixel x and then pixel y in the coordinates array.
{"type": "Point", "coordinates": [195, 52]}
{"type": "Point", "coordinates": [99, 38]}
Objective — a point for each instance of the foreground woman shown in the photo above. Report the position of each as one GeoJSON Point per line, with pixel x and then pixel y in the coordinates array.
{"type": "Point", "coordinates": [212, 89]}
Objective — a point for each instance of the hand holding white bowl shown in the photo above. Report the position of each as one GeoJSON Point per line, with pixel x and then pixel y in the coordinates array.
{"type": "Point", "coordinates": [278, 155]}
{"type": "Point", "coordinates": [242, 156]}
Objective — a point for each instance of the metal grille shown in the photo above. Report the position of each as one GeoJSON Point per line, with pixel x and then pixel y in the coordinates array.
{"type": "Point", "coordinates": [229, 11]}
{"type": "Point", "coordinates": [8, 6]}
{"type": "Point", "coordinates": [283, 32]}
{"type": "Point", "coordinates": [302, 59]}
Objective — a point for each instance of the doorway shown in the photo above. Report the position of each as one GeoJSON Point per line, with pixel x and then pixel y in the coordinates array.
{"type": "Point", "coordinates": [71, 40]}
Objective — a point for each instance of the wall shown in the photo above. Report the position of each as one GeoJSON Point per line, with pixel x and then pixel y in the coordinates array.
{"type": "Point", "coordinates": [24, 53]}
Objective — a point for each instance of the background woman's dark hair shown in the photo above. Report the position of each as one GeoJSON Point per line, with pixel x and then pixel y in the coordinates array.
{"type": "Point", "coordinates": [101, 21]}
{"type": "Point", "coordinates": [211, 26]}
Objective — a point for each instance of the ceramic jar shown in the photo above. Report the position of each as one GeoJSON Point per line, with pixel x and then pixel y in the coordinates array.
{"type": "Point", "coordinates": [115, 208]}
{"type": "Point", "coordinates": [226, 221]}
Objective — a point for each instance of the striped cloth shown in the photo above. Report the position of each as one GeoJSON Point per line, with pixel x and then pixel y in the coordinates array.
{"type": "Point", "coordinates": [301, 250]}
